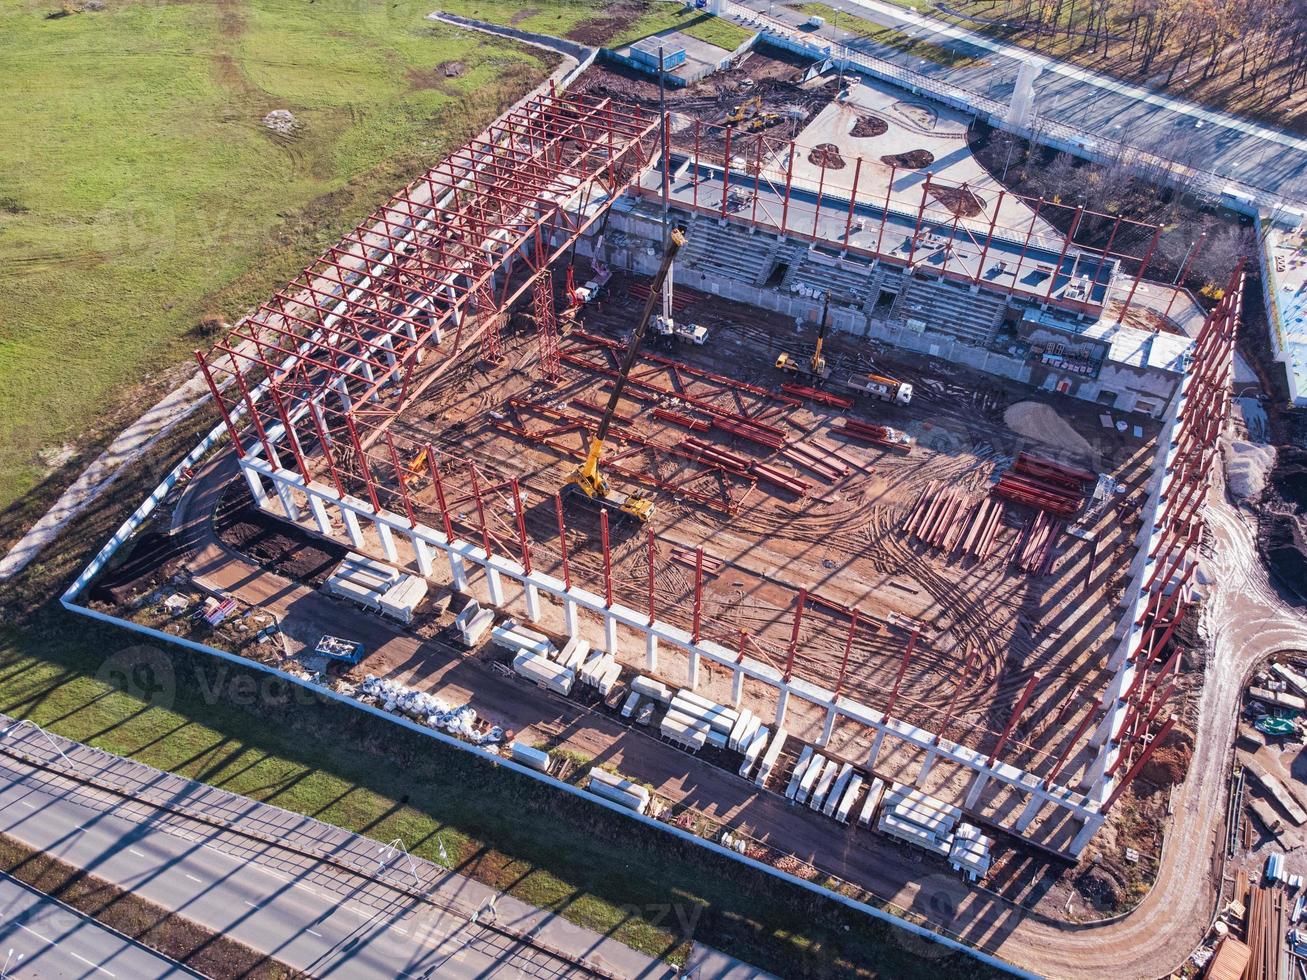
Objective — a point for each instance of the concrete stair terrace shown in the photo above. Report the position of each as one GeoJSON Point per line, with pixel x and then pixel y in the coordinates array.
{"type": "Point", "coordinates": [728, 250]}
{"type": "Point", "coordinates": [851, 281]}
{"type": "Point", "coordinates": [950, 309]}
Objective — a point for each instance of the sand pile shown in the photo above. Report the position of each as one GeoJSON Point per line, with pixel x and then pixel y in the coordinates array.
{"type": "Point", "coordinates": [1247, 467]}
{"type": "Point", "coordinates": [1041, 422]}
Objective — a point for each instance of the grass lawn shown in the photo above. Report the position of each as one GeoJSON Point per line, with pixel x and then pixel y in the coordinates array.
{"type": "Point", "coordinates": [888, 36]}
{"type": "Point", "coordinates": [140, 192]}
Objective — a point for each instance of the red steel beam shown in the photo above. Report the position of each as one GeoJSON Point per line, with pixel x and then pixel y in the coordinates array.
{"type": "Point", "coordinates": [1012, 721]}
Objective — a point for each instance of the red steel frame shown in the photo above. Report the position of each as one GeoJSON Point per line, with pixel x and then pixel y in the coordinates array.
{"type": "Point", "coordinates": [929, 215]}
{"type": "Point", "coordinates": [473, 233]}
{"type": "Point", "coordinates": [337, 352]}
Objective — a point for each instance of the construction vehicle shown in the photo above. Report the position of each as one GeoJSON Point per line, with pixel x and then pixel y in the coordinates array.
{"type": "Point", "coordinates": [816, 366]}
{"type": "Point", "coordinates": [745, 110]}
{"type": "Point", "coordinates": [588, 482]}
{"type": "Point", "coordinates": [879, 386]}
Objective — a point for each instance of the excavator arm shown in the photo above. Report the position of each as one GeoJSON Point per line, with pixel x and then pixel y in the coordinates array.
{"type": "Point", "coordinates": [819, 362]}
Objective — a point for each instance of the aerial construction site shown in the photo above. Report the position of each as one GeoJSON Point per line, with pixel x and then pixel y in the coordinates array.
{"type": "Point", "coordinates": [750, 434]}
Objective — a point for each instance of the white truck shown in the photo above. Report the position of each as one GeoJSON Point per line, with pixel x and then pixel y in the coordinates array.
{"type": "Point", "coordinates": [665, 326]}
{"type": "Point", "coordinates": [879, 386]}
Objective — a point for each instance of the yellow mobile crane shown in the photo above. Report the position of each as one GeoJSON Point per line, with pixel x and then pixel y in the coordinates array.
{"type": "Point", "coordinates": [587, 480]}
{"type": "Point", "coordinates": [817, 366]}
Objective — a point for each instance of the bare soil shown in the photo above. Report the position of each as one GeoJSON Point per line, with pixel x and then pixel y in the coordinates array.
{"type": "Point", "coordinates": [868, 126]}
{"type": "Point", "coordinates": [268, 541]}
{"type": "Point", "coordinates": [912, 159]}
{"type": "Point", "coordinates": [958, 200]}
{"type": "Point", "coordinates": [826, 155]}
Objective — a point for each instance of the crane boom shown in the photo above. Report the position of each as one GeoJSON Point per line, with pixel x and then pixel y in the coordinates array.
{"type": "Point", "coordinates": [587, 477]}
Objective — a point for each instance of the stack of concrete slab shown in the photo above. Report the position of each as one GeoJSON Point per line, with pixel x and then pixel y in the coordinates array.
{"type": "Point", "coordinates": [543, 671]}
{"type": "Point", "coordinates": [512, 636]}
{"type": "Point", "coordinates": [875, 793]}
{"type": "Point", "coordinates": [653, 690]}
{"type": "Point", "coordinates": [402, 599]}
{"type": "Point", "coordinates": [753, 751]}
{"type": "Point", "coordinates": [618, 789]}
{"type": "Point", "coordinates": [573, 653]}
{"type": "Point", "coordinates": [718, 720]}
{"type": "Point", "coordinates": [600, 672]}
{"type": "Point", "coordinates": [910, 815]}
{"type": "Point", "coordinates": [528, 756]}
{"type": "Point", "coordinates": [375, 585]}
{"type": "Point", "coordinates": [970, 852]}
{"type": "Point", "coordinates": [472, 623]}
{"type": "Point", "coordinates": [361, 580]}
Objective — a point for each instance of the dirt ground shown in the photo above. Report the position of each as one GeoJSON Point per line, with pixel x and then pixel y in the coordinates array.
{"type": "Point", "coordinates": [842, 539]}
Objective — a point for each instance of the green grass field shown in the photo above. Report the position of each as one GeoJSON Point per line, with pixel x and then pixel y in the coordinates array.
{"type": "Point", "coordinates": [888, 36]}
{"type": "Point", "coordinates": [140, 192]}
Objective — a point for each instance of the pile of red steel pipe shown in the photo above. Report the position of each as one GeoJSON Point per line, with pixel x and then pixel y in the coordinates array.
{"type": "Point", "coordinates": [818, 396]}
{"type": "Point", "coordinates": [878, 435]}
{"type": "Point", "coordinates": [826, 465]}
{"type": "Point", "coordinates": [759, 432]}
{"type": "Point", "coordinates": [1033, 550]}
{"type": "Point", "coordinates": [684, 421]}
{"type": "Point", "coordinates": [1044, 484]}
{"type": "Point", "coordinates": [716, 455]}
{"type": "Point", "coordinates": [780, 478]}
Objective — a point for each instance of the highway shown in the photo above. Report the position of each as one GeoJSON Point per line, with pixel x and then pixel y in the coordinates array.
{"type": "Point", "coordinates": [40, 937]}
{"type": "Point", "coordinates": [312, 896]}
{"type": "Point", "coordinates": [1270, 159]}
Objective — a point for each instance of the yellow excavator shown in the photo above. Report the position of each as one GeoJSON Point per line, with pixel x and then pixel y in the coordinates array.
{"type": "Point", "coordinates": [816, 367]}
{"type": "Point", "coordinates": [747, 108]}
{"type": "Point", "coordinates": [587, 482]}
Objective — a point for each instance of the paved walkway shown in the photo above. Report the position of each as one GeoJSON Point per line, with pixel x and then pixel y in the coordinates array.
{"type": "Point", "coordinates": [316, 897]}
{"type": "Point", "coordinates": [41, 937]}
{"type": "Point", "coordinates": [1270, 159]}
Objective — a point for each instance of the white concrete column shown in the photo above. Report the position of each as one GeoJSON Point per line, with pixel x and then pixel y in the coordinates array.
{"type": "Point", "coordinates": [569, 617]}
{"type": "Point", "coordinates": [532, 602]}
{"type": "Point", "coordinates": [1031, 810]}
{"type": "Point", "coordinates": [1086, 834]}
{"type": "Point", "coordinates": [828, 728]}
{"type": "Point", "coordinates": [257, 491]}
{"type": "Point", "coordinates": [610, 634]}
{"type": "Point", "coordinates": [387, 537]}
{"type": "Point", "coordinates": [423, 552]}
{"type": "Point", "coordinates": [352, 527]}
{"type": "Point", "coordinates": [737, 687]}
{"type": "Point", "coordinates": [320, 514]}
{"type": "Point", "coordinates": [782, 702]}
{"type": "Point", "coordinates": [926, 766]}
{"type": "Point", "coordinates": [287, 501]}
{"type": "Point", "coordinates": [973, 794]}
{"type": "Point", "coordinates": [496, 586]}
{"type": "Point", "coordinates": [458, 572]}
{"type": "Point", "coordinates": [693, 669]}
{"type": "Point", "coordinates": [875, 748]}
{"type": "Point", "coordinates": [651, 652]}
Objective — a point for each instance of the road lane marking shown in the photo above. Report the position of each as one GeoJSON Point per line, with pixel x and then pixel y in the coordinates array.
{"type": "Point", "coordinates": [132, 850]}
{"type": "Point", "coordinates": [26, 804]}
{"type": "Point", "coordinates": [89, 963]}
{"type": "Point", "coordinates": [267, 872]}
{"type": "Point", "coordinates": [195, 879]}
{"type": "Point", "coordinates": [312, 933]}
{"type": "Point", "coordinates": [251, 904]}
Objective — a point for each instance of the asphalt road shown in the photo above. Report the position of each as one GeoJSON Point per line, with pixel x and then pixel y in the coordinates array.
{"type": "Point", "coordinates": [40, 937]}
{"type": "Point", "coordinates": [345, 916]}
{"type": "Point", "coordinates": [1262, 156]}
